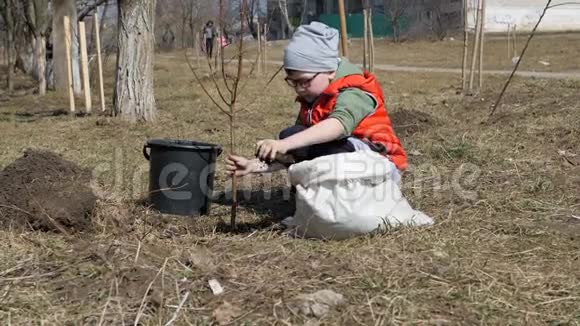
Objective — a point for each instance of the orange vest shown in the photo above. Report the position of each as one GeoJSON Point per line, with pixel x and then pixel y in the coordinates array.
{"type": "Point", "coordinates": [375, 128]}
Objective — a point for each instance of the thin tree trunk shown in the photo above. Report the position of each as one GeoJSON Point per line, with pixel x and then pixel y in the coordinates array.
{"type": "Point", "coordinates": [365, 39]}
{"type": "Point", "coordinates": [465, 46]}
{"type": "Point", "coordinates": [99, 63]}
{"type": "Point", "coordinates": [482, 41]}
{"type": "Point", "coordinates": [509, 39]}
{"type": "Point", "coordinates": [265, 49]}
{"type": "Point", "coordinates": [10, 44]}
{"type": "Point", "coordinates": [372, 41]}
{"type": "Point", "coordinates": [475, 47]}
{"type": "Point", "coordinates": [259, 48]}
{"type": "Point", "coordinates": [343, 29]}
{"type": "Point", "coordinates": [283, 5]}
{"type": "Point", "coordinates": [134, 99]}
{"type": "Point", "coordinates": [40, 54]}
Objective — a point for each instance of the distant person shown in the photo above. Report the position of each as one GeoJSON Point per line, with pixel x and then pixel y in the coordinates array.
{"type": "Point", "coordinates": [209, 34]}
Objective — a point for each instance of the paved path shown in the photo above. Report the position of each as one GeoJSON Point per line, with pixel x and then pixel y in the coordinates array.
{"type": "Point", "coordinates": [537, 74]}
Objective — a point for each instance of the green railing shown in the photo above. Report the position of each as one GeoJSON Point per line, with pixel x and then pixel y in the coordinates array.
{"type": "Point", "coordinates": [382, 26]}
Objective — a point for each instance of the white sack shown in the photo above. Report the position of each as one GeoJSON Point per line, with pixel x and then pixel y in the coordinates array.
{"type": "Point", "coordinates": [345, 195]}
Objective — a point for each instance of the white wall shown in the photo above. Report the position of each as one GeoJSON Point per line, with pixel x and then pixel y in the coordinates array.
{"type": "Point", "coordinates": [525, 14]}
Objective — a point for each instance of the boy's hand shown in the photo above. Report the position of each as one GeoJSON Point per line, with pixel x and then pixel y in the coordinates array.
{"type": "Point", "coordinates": [268, 148]}
{"type": "Point", "coordinates": [239, 166]}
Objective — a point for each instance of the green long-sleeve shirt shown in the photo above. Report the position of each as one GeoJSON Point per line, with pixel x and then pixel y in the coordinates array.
{"type": "Point", "coordinates": [352, 104]}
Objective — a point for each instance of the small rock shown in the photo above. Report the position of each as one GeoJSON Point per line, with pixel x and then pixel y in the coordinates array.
{"type": "Point", "coordinates": [226, 313]}
{"type": "Point", "coordinates": [319, 303]}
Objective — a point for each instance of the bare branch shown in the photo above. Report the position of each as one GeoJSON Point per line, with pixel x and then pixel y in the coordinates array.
{"type": "Point", "coordinates": [254, 64]}
{"type": "Point", "coordinates": [507, 83]}
{"type": "Point", "coordinates": [212, 74]}
{"type": "Point", "coordinates": [266, 86]}
{"type": "Point", "coordinates": [240, 51]}
{"type": "Point", "coordinates": [222, 52]}
{"type": "Point", "coordinates": [564, 4]}
{"type": "Point", "coordinates": [89, 7]}
{"type": "Point", "coordinates": [203, 87]}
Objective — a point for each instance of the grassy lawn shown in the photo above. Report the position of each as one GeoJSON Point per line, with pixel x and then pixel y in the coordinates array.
{"type": "Point", "coordinates": [504, 194]}
{"type": "Point", "coordinates": [558, 51]}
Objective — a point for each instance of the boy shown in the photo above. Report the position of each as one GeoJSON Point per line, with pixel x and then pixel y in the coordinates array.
{"type": "Point", "coordinates": [342, 108]}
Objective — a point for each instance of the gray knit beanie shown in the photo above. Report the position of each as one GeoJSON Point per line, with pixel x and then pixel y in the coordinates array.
{"type": "Point", "coordinates": [313, 48]}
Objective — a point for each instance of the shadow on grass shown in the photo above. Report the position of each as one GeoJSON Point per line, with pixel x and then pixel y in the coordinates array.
{"type": "Point", "coordinates": [273, 206]}
{"type": "Point", "coordinates": [38, 115]}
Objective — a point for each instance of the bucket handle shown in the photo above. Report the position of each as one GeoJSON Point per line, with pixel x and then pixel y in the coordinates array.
{"type": "Point", "coordinates": [145, 151]}
{"type": "Point", "coordinates": [147, 156]}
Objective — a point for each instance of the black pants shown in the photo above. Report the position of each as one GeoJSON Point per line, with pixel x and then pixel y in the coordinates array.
{"type": "Point", "coordinates": [313, 151]}
{"type": "Point", "coordinates": [209, 46]}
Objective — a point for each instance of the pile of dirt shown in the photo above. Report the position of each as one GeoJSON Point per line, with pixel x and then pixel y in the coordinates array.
{"type": "Point", "coordinates": [42, 191]}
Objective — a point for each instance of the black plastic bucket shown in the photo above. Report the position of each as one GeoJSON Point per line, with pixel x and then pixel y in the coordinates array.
{"type": "Point", "coordinates": [181, 175]}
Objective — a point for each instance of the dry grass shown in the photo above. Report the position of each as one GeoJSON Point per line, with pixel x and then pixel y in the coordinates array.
{"type": "Point", "coordinates": [506, 252]}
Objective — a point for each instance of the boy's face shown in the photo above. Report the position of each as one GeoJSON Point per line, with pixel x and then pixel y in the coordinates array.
{"type": "Point", "coordinates": [309, 85]}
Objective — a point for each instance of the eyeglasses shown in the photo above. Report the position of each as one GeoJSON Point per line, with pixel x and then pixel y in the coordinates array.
{"type": "Point", "coordinates": [304, 83]}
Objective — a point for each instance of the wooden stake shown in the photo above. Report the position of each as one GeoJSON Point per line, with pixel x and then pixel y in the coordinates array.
{"type": "Point", "coordinates": [67, 44]}
{"type": "Point", "coordinates": [365, 39]}
{"type": "Point", "coordinates": [85, 66]}
{"type": "Point", "coordinates": [475, 47]}
{"type": "Point", "coordinates": [217, 49]}
{"type": "Point", "coordinates": [5, 54]}
{"type": "Point", "coordinates": [198, 48]}
{"type": "Point", "coordinates": [259, 61]}
{"type": "Point", "coordinates": [515, 32]}
{"type": "Point", "coordinates": [482, 41]}
{"type": "Point", "coordinates": [371, 41]}
{"type": "Point", "coordinates": [465, 45]}
{"type": "Point", "coordinates": [265, 51]}
{"type": "Point", "coordinates": [509, 35]}
{"type": "Point", "coordinates": [343, 29]}
{"type": "Point", "coordinates": [99, 63]}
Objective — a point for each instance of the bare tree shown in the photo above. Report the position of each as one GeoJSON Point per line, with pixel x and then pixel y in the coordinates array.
{"type": "Point", "coordinates": [228, 93]}
{"type": "Point", "coordinates": [185, 6]}
{"type": "Point", "coordinates": [253, 9]}
{"type": "Point", "coordinates": [283, 6]}
{"type": "Point", "coordinates": [437, 24]}
{"type": "Point", "coordinates": [38, 20]}
{"type": "Point", "coordinates": [396, 10]}
{"type": "Point", "coordinates": [7, 16]}
{"type": "Point", "coordinates": [133, 98]}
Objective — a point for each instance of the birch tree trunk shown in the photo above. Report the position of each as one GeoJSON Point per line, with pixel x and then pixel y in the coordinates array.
{"type": "Point", "coordinates": [40, 54]}
{"type": "Point", "coordinates": [283, 5]}
{"type": "Point", "coordinates": [133, 98]}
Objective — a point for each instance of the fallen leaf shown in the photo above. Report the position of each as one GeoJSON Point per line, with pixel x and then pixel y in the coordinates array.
{"type": "Point", "coordinates": [319, 303]}
{"type": "Point", "coordinates": [415, 152]}
{"type": "Point", "coordinates": [226, 313]}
